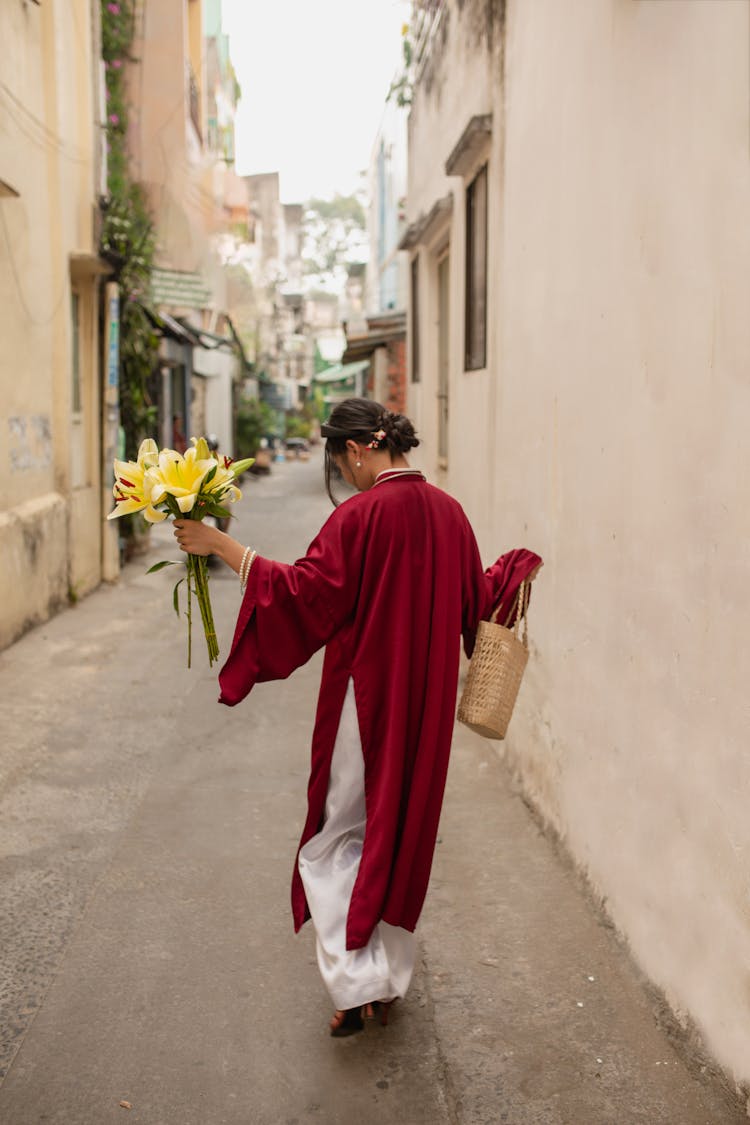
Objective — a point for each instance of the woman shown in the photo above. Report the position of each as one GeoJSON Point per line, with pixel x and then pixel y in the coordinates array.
{"type": "Point", "coordinates": [389, 585]}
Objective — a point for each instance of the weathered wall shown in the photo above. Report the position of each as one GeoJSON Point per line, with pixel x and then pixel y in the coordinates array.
{"type": "Point", "coordinates": [622, 445]}
{"type": "Point", "coordinates": [50, 520]}
{"type": "Point", "coordinates": [459, 82]}
{"type": "Point", "coordinates": [619, 406]}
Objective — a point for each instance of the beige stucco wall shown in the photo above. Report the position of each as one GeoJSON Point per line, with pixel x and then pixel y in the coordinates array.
{"type": "Point", "coordinates": [461, 80]}
{"type": "Point", "coordinates": [619, 408]}
{"type": "Point", "coordinates": [50, 523]}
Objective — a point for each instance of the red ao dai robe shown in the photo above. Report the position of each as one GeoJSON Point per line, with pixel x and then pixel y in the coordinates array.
{"type": "Point", "coordinates": [389, 585]}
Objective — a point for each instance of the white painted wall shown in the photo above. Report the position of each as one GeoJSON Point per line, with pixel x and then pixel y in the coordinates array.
{"type": "Point", "coordinates": [218, 367]}
{"type": "Point", "coordinates": [610, 434]}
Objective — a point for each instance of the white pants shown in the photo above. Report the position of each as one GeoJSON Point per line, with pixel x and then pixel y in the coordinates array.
{"type": "Point", "coordinates": [328, 864]}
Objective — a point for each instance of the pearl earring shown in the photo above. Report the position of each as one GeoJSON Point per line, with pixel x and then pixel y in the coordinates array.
{"type": "Point", "coordinates": [359, 464]}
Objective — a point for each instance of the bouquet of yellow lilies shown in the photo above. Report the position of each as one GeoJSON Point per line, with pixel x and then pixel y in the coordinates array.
{"type": "Point", "coordinates": [162, 483]}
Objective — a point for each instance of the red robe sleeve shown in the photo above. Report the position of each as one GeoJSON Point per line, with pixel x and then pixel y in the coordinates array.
{"type": "Point", "coordinates": [290, 611]}
{"type": "Point", "coordinates": [498, 587]}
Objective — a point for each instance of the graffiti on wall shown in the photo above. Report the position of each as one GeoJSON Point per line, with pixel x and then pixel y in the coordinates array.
{"type": "Point", "coordinates": [29, 442]}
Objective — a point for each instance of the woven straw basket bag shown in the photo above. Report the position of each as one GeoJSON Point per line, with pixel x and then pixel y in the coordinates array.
{"type": "Point", "coordinates": [495, 671]}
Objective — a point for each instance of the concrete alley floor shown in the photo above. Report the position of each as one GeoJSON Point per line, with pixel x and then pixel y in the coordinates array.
{"type": "Point", "coordinates": [147, 837]}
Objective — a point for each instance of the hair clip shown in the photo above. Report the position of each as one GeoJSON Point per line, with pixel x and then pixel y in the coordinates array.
{"type": "Point", "coordinates": [379, 436]}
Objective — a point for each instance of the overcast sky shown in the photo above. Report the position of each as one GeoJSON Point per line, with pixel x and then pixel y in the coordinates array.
{"type": "Point", "coordinates": [314, 77]}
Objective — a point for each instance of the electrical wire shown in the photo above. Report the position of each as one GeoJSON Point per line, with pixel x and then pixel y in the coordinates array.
{"type": "Point", "coordinates": [48, 139]}
{"type": "Point", "coordinates": [37, 321]}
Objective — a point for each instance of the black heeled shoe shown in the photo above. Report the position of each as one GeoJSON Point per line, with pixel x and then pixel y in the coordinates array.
{"type": "Point", "coordinates": [347, 1022]}
{"type": "Point", "coordinates": [378, 1009]}
{"type": "Point", "coordinates": [383, 1008]}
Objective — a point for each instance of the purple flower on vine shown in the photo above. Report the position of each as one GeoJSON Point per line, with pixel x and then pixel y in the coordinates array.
{"type": "Point", "coordinates": [114, 119]}
{"type": "Point", "coordinates": [114, 9]}
{"type": "Point", "coordinates": [116, 63]}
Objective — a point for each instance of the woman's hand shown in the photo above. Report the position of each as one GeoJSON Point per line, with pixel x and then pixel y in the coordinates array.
{"type": "Point", "coordinates": [198, 538]}
{"type": "Point", "coordinates": [195, 537]}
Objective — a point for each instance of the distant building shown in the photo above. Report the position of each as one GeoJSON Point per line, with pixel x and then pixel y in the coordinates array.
{"type": "Point", "coordinates": [383, 345]}
{"type": "Point", "coordinates": [386, 282]}
{"type": "Point", "coordinates": [322, 314]}
{"type": "Point", "coordinates": [285, 348]}
{"type": "Point", "coordinates": [376, 331]}
{"type": "Point", "coordinates": [182, 147]}
{"type": "Point", "coordinates": [222, 88]}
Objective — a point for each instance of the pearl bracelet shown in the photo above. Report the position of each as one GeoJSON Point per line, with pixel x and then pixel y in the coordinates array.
{"type": "Point", "coordinates": [242, 568]}
{"type": "Point", "coordinates": [245, 570]}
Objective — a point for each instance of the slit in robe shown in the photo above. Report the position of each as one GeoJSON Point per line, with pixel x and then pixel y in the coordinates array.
{"type": "Point", "coordinates": [328, 865]}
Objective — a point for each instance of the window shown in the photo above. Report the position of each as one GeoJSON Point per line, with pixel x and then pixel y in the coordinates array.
{"type": "Point", "coordinates": [475, 353]}
{"type": "Point", "coordinates": [78, 359]}
{"type": "Point", "coordinates": [75, 315]}
{"type": "Point", "coordinates": [415, 319]}
{"type": "Point", "coordinates": [443, 355]}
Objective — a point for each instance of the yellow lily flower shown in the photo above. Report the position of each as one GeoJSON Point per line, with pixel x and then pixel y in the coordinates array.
{"type": "Point", "coordinates": [148, 454]}
{"type": "Point", "coordinates": [239, 467]}
{"type": "Point", "coordinates": [201, 448]}
{"type": "Point", "coordinates": [223, 484]}
{"type": "Point", "coordinates": [130, 493]}
{"type": "Point", "coordinates": [180, 477]}
{"type": "Point", "coordinates": [223, 480]}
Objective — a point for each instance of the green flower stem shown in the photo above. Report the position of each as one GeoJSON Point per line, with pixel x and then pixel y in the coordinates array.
{"type": "Point", "coordinates": [199, 569]}
{"type": "Point", "coordinates": [189, 567]}
{"type": "Point", "coordinates": [201, 589]}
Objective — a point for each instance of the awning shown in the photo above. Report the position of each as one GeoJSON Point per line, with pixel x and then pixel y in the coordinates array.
{"type": "Point", "coordinates": [208, 340]}
{"type": "Point", "coordinates": [382, 330]}
{"type": "Point", "coordinates": [248, 367]}
{"type": "Point", "coordinates": [179, 331]}
{"type": "Point", "coordinates": [168, 326]}
{"type": "Point", "coordinates": [423, 230]}
{"type": "Point", "coordinates": [86, 266]}
{"type": "Point", "coordinates": [341, 372]}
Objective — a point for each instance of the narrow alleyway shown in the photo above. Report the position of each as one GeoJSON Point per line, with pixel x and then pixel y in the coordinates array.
{"type": "Point", "coordinates": [146, 843]}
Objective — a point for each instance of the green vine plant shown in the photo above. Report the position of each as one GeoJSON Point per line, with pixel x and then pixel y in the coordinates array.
{"type": "Point", "coordinates": [128, 237]}
{"type": "Point", "coordinates": [402, 87]}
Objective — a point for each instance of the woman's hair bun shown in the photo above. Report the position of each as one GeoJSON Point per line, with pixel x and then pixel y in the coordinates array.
{"type": "Point", "coordinates": [399, 432]}
{"type": "Point", "coordinates": [362, 420]}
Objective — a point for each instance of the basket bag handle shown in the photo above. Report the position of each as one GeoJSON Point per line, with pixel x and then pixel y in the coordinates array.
{"type": "Point", "coordinates": [521, 606]}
